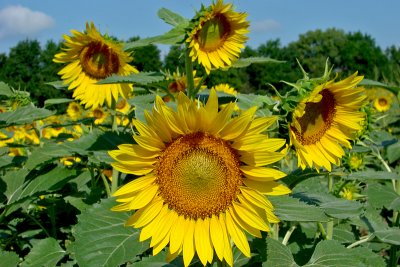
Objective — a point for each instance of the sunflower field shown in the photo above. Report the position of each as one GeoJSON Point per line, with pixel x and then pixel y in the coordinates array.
{"type": "Point", "coordinates": [162, 169]}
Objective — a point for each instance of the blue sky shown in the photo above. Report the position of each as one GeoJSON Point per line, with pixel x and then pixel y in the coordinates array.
{"type": "Point", "coordinates": [269, 19]}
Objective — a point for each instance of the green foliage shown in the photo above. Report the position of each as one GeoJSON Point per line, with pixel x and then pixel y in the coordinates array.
{"type": "Point", "coordinates": [102, 240]}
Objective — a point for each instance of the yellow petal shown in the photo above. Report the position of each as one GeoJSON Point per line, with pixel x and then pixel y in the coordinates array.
{"type": "Point", "coordinates": [217, 236]}
{"type": "Point", "coordinates": [268, 188]}
{"type": "Point", "coordinates": [237, 235]}
{"type": "Point", "coordinates": [146, 214]}
{"type": "Point", "coordinates": [249, 217]}
{"type": "Point", "coordinates": [135, 185]}
{"type": "Point", "coordinates": [177, 234]}
{"type": "Point", "coordinates": [202, 239]}
{"type": "Point", "coordinates": [188, 242]}
{"type": "Point", "coordinates": [262, 173]}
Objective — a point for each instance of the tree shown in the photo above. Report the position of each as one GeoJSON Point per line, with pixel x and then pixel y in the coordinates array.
{"type": "Point", "coordinates": [146, 58]}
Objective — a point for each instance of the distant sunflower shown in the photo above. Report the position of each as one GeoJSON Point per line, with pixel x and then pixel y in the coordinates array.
{"type": "Point", "coordinates": [218, 35]}
{"type": "Point", "coordinates": [90, 57]}
{"type": "Point", "coordinates": [326, 119]}
{"type": "Point", "coordinates": [382, 103]}
{"type": "Point", "coordinates": [74, 111]}
{"type": "Point", "coordinates": [216, 190]}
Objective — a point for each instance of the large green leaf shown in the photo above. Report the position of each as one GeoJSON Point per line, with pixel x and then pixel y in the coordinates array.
{"type": "Point", "coordinates": [291, 209]}
{"type": "Point", "coordinates": [9, 258]}
{"type": "Point", "coordinates": [278, 255]}
{"type": "Point", "coordinates": [371, 175]}
{"type": "Point", "coordinates": [368, 82]}
{"type": "Point", "coordinates": [5, 89]}
{"type": "Point", "coordinates": [334, 207]}
{"type": "Point", "coordinates": [170, 17]}
{"type": "Point", "coordinates": [141, 78]}
{"type": "Point", "coordinates": [46, 153]}
{"type": "Point", "coordinates": [24, 115]}
{"type": "Point", "coordinates": [390, 235]}
{"type": "Point", "coordinates": [245, 62]}
{"type": "Point", "coordinates": [382, 196]}
{"type": "Point", "coordinates": [55, 101]}
{"type": "Point", "coordinates": [47, 182]}
{"type": "Point", "coordinates": [142, 103]}
{"type": "Point", "coordinates": [46, 252]}
{"type": "Point", "coordinates": [331, 253]}
{"type": "Point", "coordinates": [101, 239]}
{"type": "Point", "coordinates": [393, 152]}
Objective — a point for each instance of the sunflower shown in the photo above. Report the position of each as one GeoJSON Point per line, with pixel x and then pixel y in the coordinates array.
{"type": "Point", "coordinates": [216, 190]}
{"type": "Point", "coordinates": [382, 103]}
{"type": "Point", "coordinates": [74, 111]}
{"type": "Point", "coordinates": [90, 57]}
{"type": "Point", "coordinates": [326, 119]}
{"type": "Point", "coordinates": [218, 35]}
{"type": "Point", "coordinates": [99, 115]}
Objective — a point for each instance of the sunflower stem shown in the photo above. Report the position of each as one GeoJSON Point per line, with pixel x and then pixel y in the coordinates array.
{"type": "Point", "coordinates": [329, 224]}
{"type": "Point", "coordinates": [275, 231]}
{"type": "Point", "coordinates": [114, 181]}
{"type": "Point", "coordinates": [288, 234]}
{"type": "Point", "coordinates": [106, 184]}
{"type": "Point", "coordinates": [322, 230]}
{"type": "Point", "coordinates": [189, 75]}
{"type": "Point", "coordinates": [114, 116]}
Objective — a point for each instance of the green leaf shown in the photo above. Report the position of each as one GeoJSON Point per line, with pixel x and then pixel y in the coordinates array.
{"type": "Point", "coordinates": [46, 252]}
{"type": "Point", "coordinates": [48, 152]}
{"type": "Point", "coordinates": [278, 255]}
{"type": "Point", "coordinates": [291, 209]}
{"type": "Point", "coordinates": [172, 37]}
{"type": "Point", "coordinates": [141, 78]}
{"type": "Point", "coordinates": [5, 89]}
{"type": "Point", "coordinates": [368, 257]}
{"type": "Point", "coordinates": [334, 207]}
{"type": "Point", "coordinates": [55, 101]}
{"type": "Point", "coordinates": [331, 253]}
{"type": "Point", "coordinates": [170, 17]}
{"type": "Point", "coordinates": [142, 103]}
{"type": "Point", "coordinates": [390, 236]}
{"type": "Point", "coordinates": [368, 82]}
{"type": "Point", "coordinates": [48, 182]}
{"type": "Point", "coordinates": [245, 62]}
{"type": "Point", "coordinates": [393, 152]}
{"type": "Point", "coordinates": [59, 85]}
{"type": "Point", "coordinates": [101, 239]}
{"type": "Point", "coordinates": [9, 258]}
{"type": "Point", "coordinates": [382, 196]}
{"type": "Point", "coordinates": [372, 175]}
{"type": "Point", "coordinates": [14, 180]}
{"type": "Point", "coordinates": [24, 115]}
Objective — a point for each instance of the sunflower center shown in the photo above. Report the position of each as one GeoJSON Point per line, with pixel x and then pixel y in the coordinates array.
{"type": "Point", "coordinates": [382, 102]}
{"type": "Point", "coordinates": [198, 175]}
{"type": "Point", "coordinates": [97, 113]}
{"type": "Point", "coordinates": [214, 33]}
{"type": "Point", "coordinates": [98, 60]}
{"type": "Point", "coordinates": [317, 119]}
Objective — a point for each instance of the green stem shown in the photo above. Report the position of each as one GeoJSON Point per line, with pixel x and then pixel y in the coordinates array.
{"type": "Point", "coordinates": [197, 89]}
{"type": "Point", "coordinates": [322, 230]}
{"type": "Point", "coordinates": [38, 223]}
{"type": "Point", "coordinates": [114, 116]}
{"type": "Point", "coordinates": [52, 215]}
{"type": "Point", "coordinates": [288, 234]}
{"type": "Point", "coordinates": [275, 231]}
{"type": "Point", "coordinates": [329, 224]}
{"type": "Point", "coordinates": [361, 241]}
{"type": "Point", "coordinates": [189, 75]}
{"type": "Point", "coordinates": [114, 181]}
{"type": "Point", "coordinates": [106, 185]}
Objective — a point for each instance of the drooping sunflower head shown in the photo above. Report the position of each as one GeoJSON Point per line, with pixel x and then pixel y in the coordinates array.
{"type": "Point", "coordinates": [325, 120]}
{"type": "Point", "coordinates": [203, 178]}
{"type": "Point", "coordinates": [91, 57]}
{"type": "Point", "coordinates": [218, 34]}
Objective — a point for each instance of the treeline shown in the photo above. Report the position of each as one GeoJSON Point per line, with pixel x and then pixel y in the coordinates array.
{"type": "Point", "coordinates": [28, 66]}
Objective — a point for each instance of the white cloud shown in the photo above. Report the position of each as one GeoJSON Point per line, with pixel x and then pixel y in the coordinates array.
{"type": "Point", "coordinates": [265, 26]}
{"type": "Point", "coordinates": [21, 21]}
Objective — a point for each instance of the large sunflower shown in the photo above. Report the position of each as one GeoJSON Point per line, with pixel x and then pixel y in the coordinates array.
{"type": "Point", "coordinates": [90, 57]}
{"type": "Point", "coordinates": [326, 119]}
{"type": "Point", "coordinates": [203, 178]}
{"type": "Point", "coordinates": [218, 36]}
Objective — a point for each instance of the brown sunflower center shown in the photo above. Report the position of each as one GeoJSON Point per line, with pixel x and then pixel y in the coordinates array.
{"type": "Point", "coordinates": [383, 102]}
{"type": "Point", "coordinates": [198, 175]}
{"type": "Point", "coordinates": [317, 119]}
{"type": "Point", "coordinates": [214, 33]}
{"type": "Point", "coordinates": [98, 60]}
{"type": "Point", "coordinates": [97, 113]}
